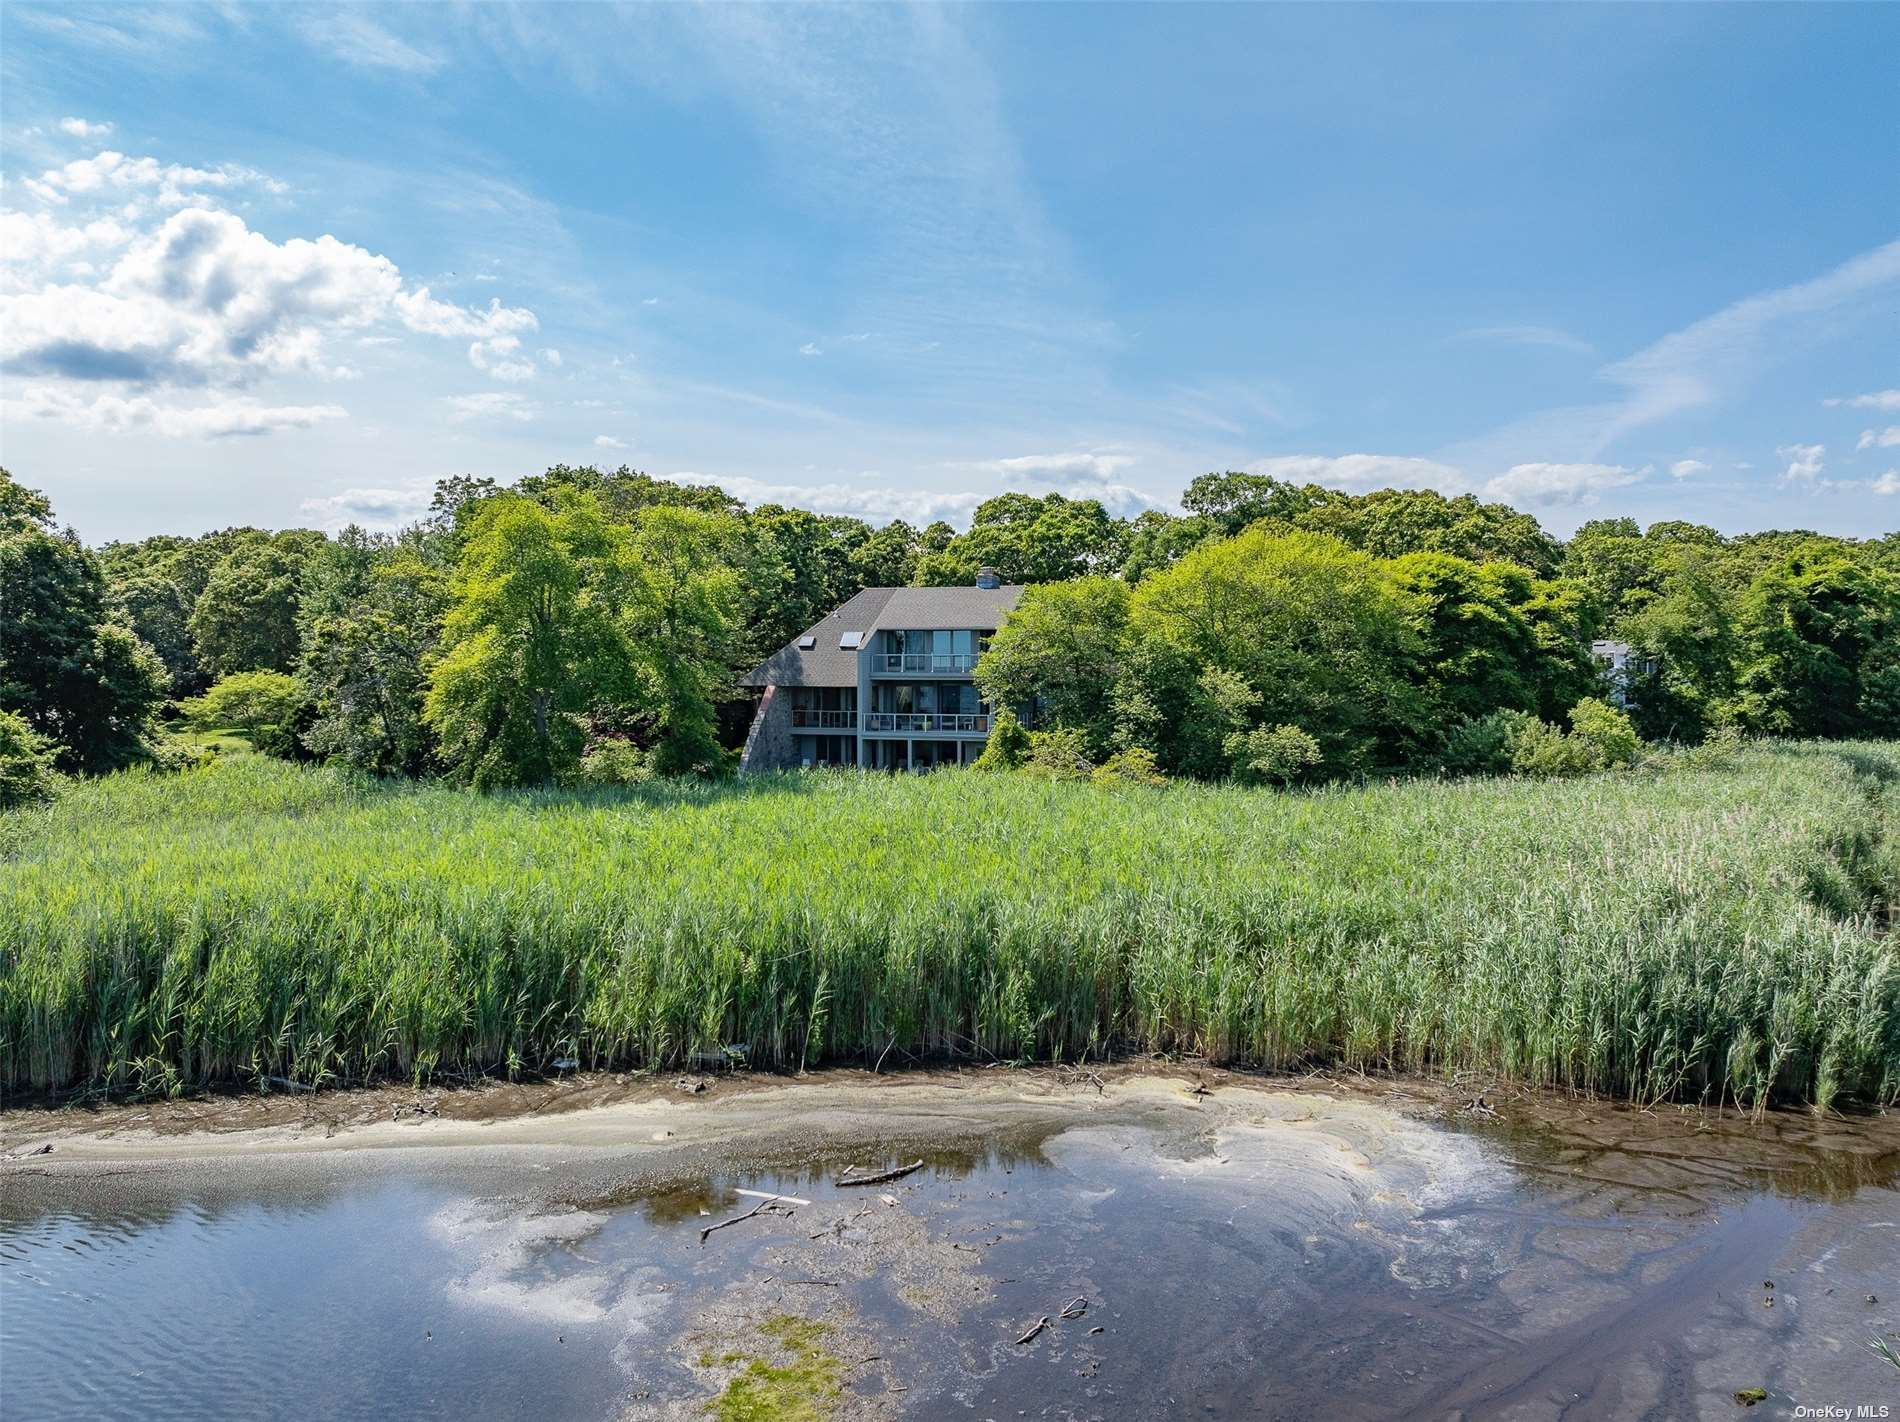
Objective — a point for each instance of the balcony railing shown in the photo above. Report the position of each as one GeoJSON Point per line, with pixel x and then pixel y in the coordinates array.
{"type": "Point", "coordinates": [824, 720]}
{"type": "Point", "coordinates": [924, 721]}
{"type": "Point", "coordinates": [927, 662]}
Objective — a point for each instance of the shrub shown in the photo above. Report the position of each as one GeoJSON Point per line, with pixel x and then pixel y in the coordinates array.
{"type": "Point", "coordinates": [1008, 743]}
{"type": "Point", "coordinates": [1279, 754]}
{"type": "Point", "coordinates": [1482, 745]}
{"type": "Point", "coordinates": [27, 776]}
{"type": "Point", "coordinates": [1606, 730]}
{"type": "Point", "coordinates": [1058, 755]}
{"type": "Point", "coordinates": [1134, 766]}
{"type": "Point", "coordinates": [1541, 751]}
{"type": "Point", "coordinates": [614, 761]}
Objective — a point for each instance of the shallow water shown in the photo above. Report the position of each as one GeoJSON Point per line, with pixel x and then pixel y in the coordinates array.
{"type": "Point", "coordinates": [1283, 1256]}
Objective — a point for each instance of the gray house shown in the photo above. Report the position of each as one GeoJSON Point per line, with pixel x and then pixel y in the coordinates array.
{"type": "Point", "coordinates": [884, 682]}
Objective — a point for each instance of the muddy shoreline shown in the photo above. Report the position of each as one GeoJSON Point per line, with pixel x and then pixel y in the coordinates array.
{"type": "Point", "coordinates": [1226, 1245]}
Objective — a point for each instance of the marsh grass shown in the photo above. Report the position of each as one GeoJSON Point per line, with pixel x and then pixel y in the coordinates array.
{"type": "Point", "coordinates": [1703, 930]}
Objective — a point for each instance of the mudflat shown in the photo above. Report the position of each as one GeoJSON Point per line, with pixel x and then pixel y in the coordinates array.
{"type": "Point", "coordinates": [1130, 1242]}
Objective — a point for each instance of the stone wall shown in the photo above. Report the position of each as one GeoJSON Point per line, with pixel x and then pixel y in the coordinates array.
{"type": "Point", "coordinates": [769, 744]}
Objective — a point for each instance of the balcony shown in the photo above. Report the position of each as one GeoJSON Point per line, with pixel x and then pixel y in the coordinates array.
{"type": "Point", "coordinates": [809, 719]}
{"type": "Point", "coordinates": [927, 663]}
{"type": "Point", "coordinates": [927, 723]}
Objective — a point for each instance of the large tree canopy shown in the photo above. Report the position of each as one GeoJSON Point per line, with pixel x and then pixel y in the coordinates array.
{"type": "Point", "coordinates": [531, 640]}
{"type": "Point", "coordinates": [78, 678]}
{"type": "Point", "coordinates": [1304, 631]}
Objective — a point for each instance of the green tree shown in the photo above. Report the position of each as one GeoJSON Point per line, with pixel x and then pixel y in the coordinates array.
{"type": "Point", "coordinates": [1683, 646]}
{"type": "Point", "coordinates": [683, 625]}
{"type": "Point", "coordinates": [1229, 501]}
{"type": "Point", "coordinates": [78, 678]}
{"type": "Point", "coordinates": [261, 704]}
{"type": "Point", "coordinates": [1314, 632]}
{"type": "Point", "coordinates": [1061, 650]}
{"type": "Point", "coordinates": [1157, 540]}
{"type": "Point", "coordinates": [1480, 652]}
{"type": "Point", "coordinates": [888, 558]}
{"type": "Point", "coordinates": [27, 759]}
{"type": "Point", "coordinates": [1820, 650]}
{"type": "Point", "coordinates": [155, 608]}
{"type": "Point", "coordinates": [1029, 540]}
{"type": "Point", "coordinates": [1391, 523]}
{"type": "Point", "coordinates": [246, 617]}
{"type": "Point", "coordinates": [364, 668]}
{"type": "Point", "coordinates": [531, 641]}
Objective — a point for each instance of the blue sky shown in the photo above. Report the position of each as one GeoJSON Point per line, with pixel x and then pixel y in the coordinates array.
{"type": "Point", "coordinates": [289, 265]}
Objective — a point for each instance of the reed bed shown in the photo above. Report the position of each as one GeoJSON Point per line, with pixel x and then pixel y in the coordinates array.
{"type": "Point", "coordinates": [1706, 929]}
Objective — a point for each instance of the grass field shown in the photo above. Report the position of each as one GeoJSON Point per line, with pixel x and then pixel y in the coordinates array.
{"type": "Point", "coordinates": [1702, 930]}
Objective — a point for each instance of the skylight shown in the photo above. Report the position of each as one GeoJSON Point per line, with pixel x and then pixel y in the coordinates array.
{"type": "Point", "coordinates": [807, 642]}
{"type": "Point", "coordinates": [851, 641]}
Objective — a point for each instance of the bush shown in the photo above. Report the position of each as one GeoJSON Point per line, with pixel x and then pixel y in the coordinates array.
{"type": "Point", "coordinates": [1606, 730]}
{"type": "Point", "coordinates": [27, 776]}
{"type": "Point", "coordinates": [1541, 751]}
{"type": "Point", "coordinates": [1134, 766]}
{"type": "Point", "coordinates": [1279, 754]}
{"type": "Point", "coordinates": [613, 761]}
{"type": "Point", "coordinates": [1008, 743]}
{"type": "Point", "coordinates": [1058, 755]}
{"type": "Point", "coordinates": [1482, 745]}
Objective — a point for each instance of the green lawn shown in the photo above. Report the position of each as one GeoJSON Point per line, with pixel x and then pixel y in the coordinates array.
{"type": "Point", "coordinates": [1707, 931]}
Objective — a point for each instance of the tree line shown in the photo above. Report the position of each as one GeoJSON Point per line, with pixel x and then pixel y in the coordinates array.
{"type": "Point", "coordinates": [588, 625]}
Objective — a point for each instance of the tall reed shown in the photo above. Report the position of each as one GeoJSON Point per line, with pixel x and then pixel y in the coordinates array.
{"type": "Point", "coordinates": [1697, 931]}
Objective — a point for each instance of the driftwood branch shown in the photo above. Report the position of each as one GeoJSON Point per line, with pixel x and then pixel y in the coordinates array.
{"type": "Point", "coordinates": [761, 1208]}
{"type": "Point", "coordinates": [898, 1174]}
{"type": "Point", "coordinates": [1034, 1329]}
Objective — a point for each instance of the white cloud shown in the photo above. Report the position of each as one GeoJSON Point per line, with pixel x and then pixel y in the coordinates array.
{"type": "Point", "coordinates": [346, 33]}
{"type": "Point", "coordinates": [1805, 462]}
{"type": "Point", "coordinates": [495, 356]}
{"type": "Point", "coordinates": [491, 405]}
{"type": "Point", "coordinates": [1888, 483]}
{"type": "Point", "coordinates": [1879, 439]}
{"type": "Point", "coordinates": [216, 418]}
{"type": "Point", "coordinates": [1061, 468]}
{"type": "Point", "coordinates": [872, 504]}
{"type": "Point", "coordinates": [108, 172]}
{"type": "Point", "coordinates": [1693, 366]}
{"type": "Point", "coordinates": [810, 348]}
{"type": "Point", "coordinates": [1688, 468]}
{"type": "Point", "coordinates": [36, 246]}
{"type": "Point", "coordinates": [551, 356]}
{"type": "Point", "coordinates": [1572, 484]}
{"type": "Point", "coordinates": [1361, 473]}
{"type": "Point", "coordinates": [608, 442]}
{"type": "Point", "coordinates": [201, 299]}
{"type": "Point", "coordinates": [79, 128]}
{"type": "Point", "coordinates": [372, 508]}
{"type": "Point", "coordinates": [1874, 400]}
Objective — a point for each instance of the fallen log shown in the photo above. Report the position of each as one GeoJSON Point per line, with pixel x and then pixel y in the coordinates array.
{"type": "Point", "coordinates": [898, 1174]}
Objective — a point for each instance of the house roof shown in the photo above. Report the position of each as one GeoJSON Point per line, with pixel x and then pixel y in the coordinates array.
{"type": "Point", "coordinates": [948, 607]}
{"type": "Point", "coordinates": [825, 663]}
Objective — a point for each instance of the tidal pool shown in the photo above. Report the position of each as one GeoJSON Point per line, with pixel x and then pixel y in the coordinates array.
{"type": "Point", "coordinates": [1135, 1248]}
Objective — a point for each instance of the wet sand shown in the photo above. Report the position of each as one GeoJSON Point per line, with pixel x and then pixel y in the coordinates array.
{"type": "Point", "coordinates": [1227, 1246]}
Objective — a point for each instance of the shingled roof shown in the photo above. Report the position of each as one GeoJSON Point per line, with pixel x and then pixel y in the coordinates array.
{"type": "Point", "coordinates": [948, 607]}
{"type": "Point", "coordinates": [825, 663]}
